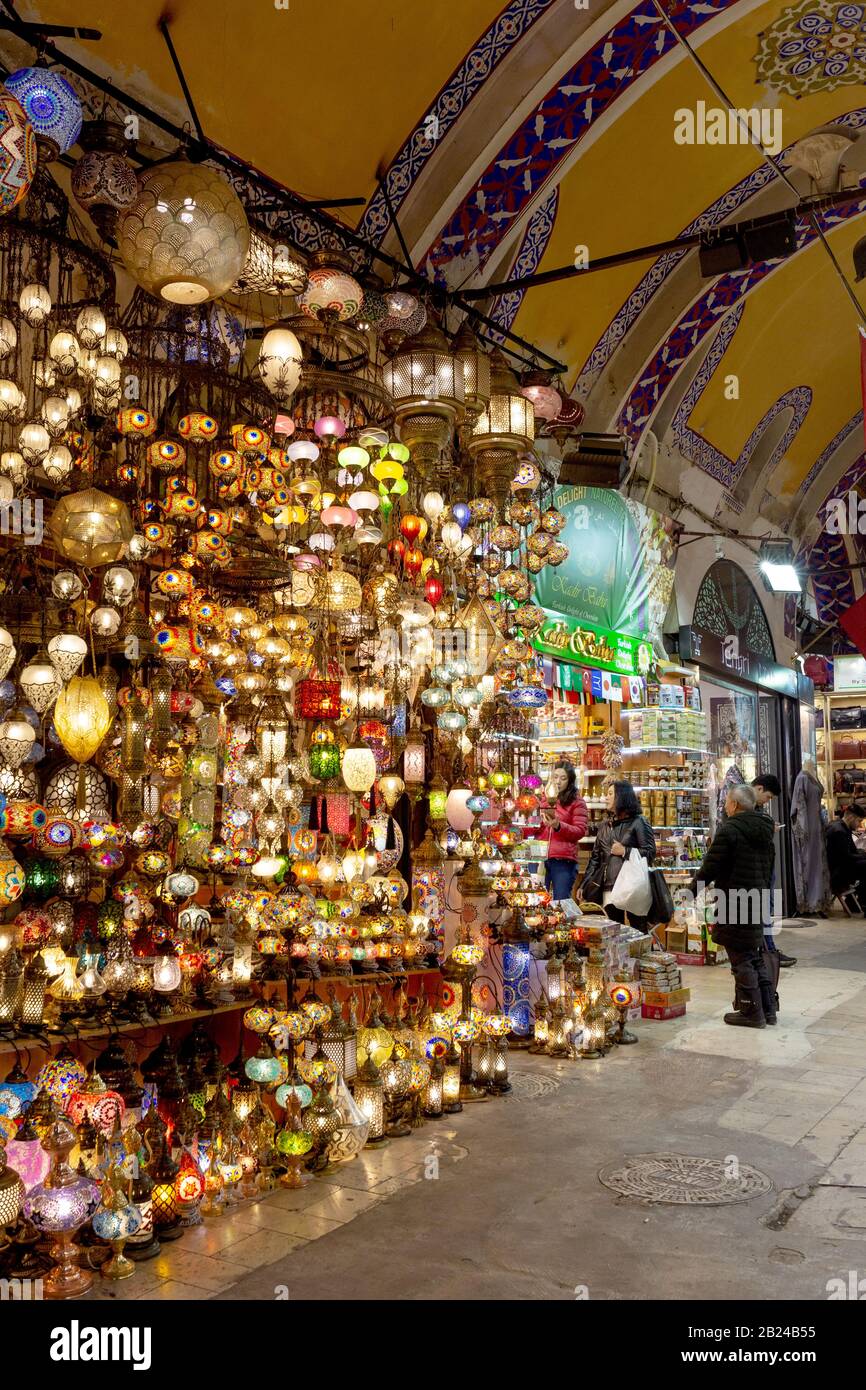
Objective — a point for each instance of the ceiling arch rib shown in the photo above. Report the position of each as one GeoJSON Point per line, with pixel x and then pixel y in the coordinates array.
{"type": "Point", "coordinates": [535, 153]}
{"type": "Point", "coordinates": [448, 109]}
{"type": "Point", "coordinates": [766, 447]}
{"type": "Point", "coordinates": [638, 409]}
{"type": "Point", "coordinates": [541, 223]}
{"type": "Point", "coordinates": [692, 445]}
{"type": "Point", "coordinates": [747, 197]}
{"type": "Point", "coordinates": [835, 470]}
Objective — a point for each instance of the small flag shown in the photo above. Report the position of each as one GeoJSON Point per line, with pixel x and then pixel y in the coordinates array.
{"type": "Point", "coordinates": [853, 622]}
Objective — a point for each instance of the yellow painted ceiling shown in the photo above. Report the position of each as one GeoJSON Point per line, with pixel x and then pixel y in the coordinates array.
{"type": "Point", "coordinates": [797, 330]}
{"type": "Point", "coordinates": [314, 95]}
{"type": "Point", "coordinates": [318, 94]}
{"type": "Point", "coordinates": [635, 186]}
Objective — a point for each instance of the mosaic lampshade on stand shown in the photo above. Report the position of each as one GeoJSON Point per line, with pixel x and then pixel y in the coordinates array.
{"type": "Point", "coordinates": [58, 1208]}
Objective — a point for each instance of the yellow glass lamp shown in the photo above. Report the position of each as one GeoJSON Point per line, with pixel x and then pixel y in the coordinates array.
{"type": "Point", "coordinates": [91, 528]}
{"type": "Point", "coordinates": [82, 717]}
{"type": "Point", "coordinates": [387, 470]}
{"type": "Point", "coordinates": [391, 787]}
{"type": "Point", "coordinates": [376, 1043]}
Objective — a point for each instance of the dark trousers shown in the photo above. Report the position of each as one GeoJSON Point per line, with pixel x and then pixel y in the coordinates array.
{"type": "Point", "coordinates": [559, 877]}
{"type": "Point", "coordinates": [618, 914]}
{"type": "Point", "coordinates": [754, 992]}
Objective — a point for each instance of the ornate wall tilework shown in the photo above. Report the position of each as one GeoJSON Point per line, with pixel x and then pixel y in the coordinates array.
{"type": "Point", "coordinates": [692, 445]}
{"type": "Point", "coordinates": [815, 46]}
{"type": "Point", "coordinates": [719, 211]}
{"type": "Point", "coordinates": [526, 262]}
{"type": "Point", "coordinates": [535, 152]}
{"type": "Point", "coordinates": [825, 456]}
{"type": "Point", "coordinates": [699, 320]}
{"type": "Point", "coordinates": [833, 593]}
{"type": "Point", "coordinates": [798, 399]}
{"type": "Point", "coordinates": [507, 30]}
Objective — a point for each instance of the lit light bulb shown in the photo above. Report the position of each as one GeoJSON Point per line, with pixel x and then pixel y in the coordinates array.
{"type": "Point", "coordinates": [35, 304]}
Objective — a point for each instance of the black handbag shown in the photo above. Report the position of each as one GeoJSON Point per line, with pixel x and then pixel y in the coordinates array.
{"type": "Point", "coordinates": [592, 891]}
{"type": "Point", "coordinates": [662, 908]}
{"type": "Point", "coordinates": [845, 780]}
{"type": "Point", "coordinates": [849, 717]}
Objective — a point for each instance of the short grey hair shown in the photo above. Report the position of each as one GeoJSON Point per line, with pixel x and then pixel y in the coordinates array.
{"type": "Point", "coordinates": [744, 795]}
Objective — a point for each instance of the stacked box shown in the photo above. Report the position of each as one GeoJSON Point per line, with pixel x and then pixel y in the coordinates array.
{"type": "Point", "coordinates": [660, 973]}
{"type": "Point", "coordinates": [669, 728]}
{"type": "Point", "coordinates": [665, 999]}
{"type": "Point", "coordinates": [662, 1012]}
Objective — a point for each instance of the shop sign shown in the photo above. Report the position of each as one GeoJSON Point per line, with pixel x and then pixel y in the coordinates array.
{"type": "Point", "coordinates": [571, 640]}
{"type": "Point", "coordinates": [724, 654]}
{"type": "Point", "coordinates": [619, 574]}
{"type": "Point", "coordinates": [849, 673]}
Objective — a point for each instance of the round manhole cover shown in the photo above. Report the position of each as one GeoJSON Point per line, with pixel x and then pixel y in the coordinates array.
{"type": "Point", "coordinates": [528, 1086]}
{"type": "Point", "coordinates": [681, 1180]}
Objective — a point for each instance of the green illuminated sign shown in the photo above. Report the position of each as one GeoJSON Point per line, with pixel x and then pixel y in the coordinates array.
{"type": "Point", "coordinates": [572, 640]}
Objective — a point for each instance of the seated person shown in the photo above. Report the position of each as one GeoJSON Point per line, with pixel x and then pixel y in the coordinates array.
{"type": "Point", "coordinates": [846, 863]}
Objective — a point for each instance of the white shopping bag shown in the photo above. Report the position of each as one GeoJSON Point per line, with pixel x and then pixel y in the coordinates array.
{"type": "Point", "coordinates": [631, 892]}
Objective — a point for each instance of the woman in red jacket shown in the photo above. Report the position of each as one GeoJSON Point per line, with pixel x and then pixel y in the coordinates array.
{"type": "Point", "coordinates": [566, 823]}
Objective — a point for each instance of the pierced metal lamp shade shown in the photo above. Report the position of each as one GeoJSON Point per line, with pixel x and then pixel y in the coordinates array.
{"type": "Point", "coordinates": [103, 181]}
{"type": "Point", "coordinates": [504, 429]}
{"type": "Point", "coordinates": [91, 528]}
{"type": "Point", "coordinates": [186, 237]}
{"type": "Point", "coordinates": [62, 791]}
{"type": "Point", "coordinates": [426, 380]}
{"type": "Point", "coordinates": [270, 269]}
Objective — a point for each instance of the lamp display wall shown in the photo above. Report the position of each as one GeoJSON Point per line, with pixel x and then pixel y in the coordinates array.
{"type": "Point", "coordinates": [278, 618]}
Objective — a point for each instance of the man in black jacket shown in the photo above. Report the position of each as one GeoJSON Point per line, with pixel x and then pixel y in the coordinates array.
{"type": "Point", "coordinates": [847, 864]}
{"type": "Point", "coordinates": [739, 863]}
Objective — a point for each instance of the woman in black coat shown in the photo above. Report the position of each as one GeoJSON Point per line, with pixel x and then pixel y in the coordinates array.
{"type": "Point", "coordinates": [624, 829]}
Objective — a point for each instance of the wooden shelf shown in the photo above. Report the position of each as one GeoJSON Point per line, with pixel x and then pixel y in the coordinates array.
{"type": "Point", "coordinates": [72, 1034]}
{"type": "Point", "coordinates": [664, 748]}
{"type": "Point", "coordinates": [681, 827]}
{"type": "Point", "coordinates": [674, 787]}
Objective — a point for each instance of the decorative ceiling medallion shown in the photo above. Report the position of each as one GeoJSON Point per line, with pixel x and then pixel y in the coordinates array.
{"type": "Point", "coordinates": [816, 46]}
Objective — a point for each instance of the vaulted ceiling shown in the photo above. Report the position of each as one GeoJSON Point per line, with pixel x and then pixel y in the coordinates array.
{"type": "Point", "coordinates": [510, 137]}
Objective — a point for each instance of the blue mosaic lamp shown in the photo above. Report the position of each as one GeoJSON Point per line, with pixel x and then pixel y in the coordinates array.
{"type": "Point", "coordinates": [52, 107]}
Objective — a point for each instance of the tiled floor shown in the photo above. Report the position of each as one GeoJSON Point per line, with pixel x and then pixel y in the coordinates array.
{"type": "Point", "coordinates": [517, 1207]}
{"type": "Point", "coordinates": [210, 1258]}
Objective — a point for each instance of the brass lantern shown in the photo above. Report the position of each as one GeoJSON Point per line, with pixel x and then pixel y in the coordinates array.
{"type": "Point", "coordinates": [476, 372]}
{"type": "Point", "coordinates": [91, 528]}
{"type": "Point", "coordinates": [504, 430]}
{"type": "Point", "coordinates": [426, 381]}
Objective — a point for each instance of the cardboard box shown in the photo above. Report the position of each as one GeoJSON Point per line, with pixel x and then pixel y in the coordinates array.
{"type": "Point", "coordinates": [661, 1012]}
{"type": "Point", "coordinates": [675, 939]}
{"type": "Point", "coordinates": [692, 958]}
{"type": "Point", "coordinates": [664, 998]}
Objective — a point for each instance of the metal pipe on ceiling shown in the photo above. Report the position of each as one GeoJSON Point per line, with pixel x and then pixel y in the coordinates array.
{"type": "Point", "coordinates": [293, 202]}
